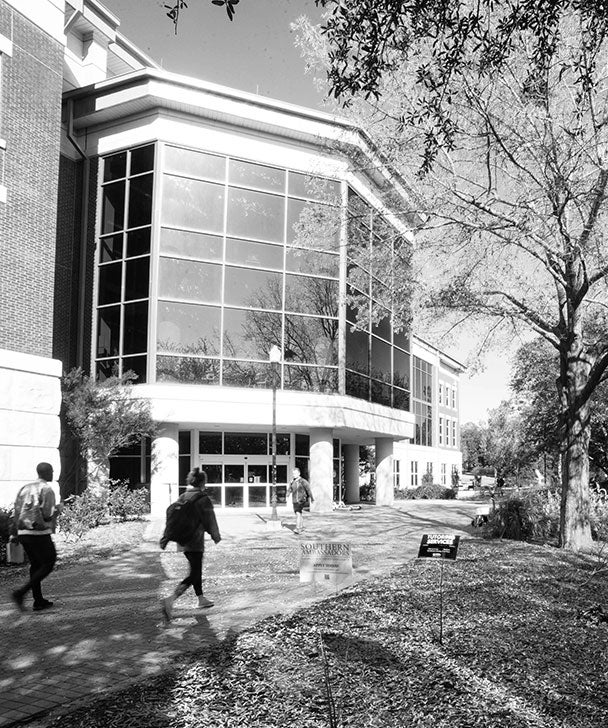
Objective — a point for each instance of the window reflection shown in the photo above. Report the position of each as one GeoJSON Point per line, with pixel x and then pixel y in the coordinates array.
{"type": "Point", "coordinates": [311, 379]}
{"type": "Point", "coordinates": [110, 282]}
{"type": "Point", "coordinates": [247, 287]}
{"type": "Point", "coordinates": [246, 374]}
{"type": "Point", "coordinates": [137, 278]}
{"type": "Point", "coordinates": [250, 334]}
{"type": "Point", "coordinates": [316, 188]}
{"type": "Point", "coordinates": [381, 393]}
{"type": "Point", "coordinates": [301, 260]}
{"type": "Point", "coordinates": [142, 159]}
{"type": "Point", "coordinates": [255, 215]}
{"type": "Point", "coordinates": [312, 340]}
{"type": "Point", "coordinates": [108, 331]}
{"type": "Point", "coordinates": [246, 443]}
{"type": "Point", "coordinates": [140, 201]}
{"type": "Point", "coordinates": [357, 350]}
{"type": "Point", "coordinates": [190, 203]}
{"type": "Point", "coordinates": [188, 329]}
{"type": "Point", "coordinates": [190, 280]}
{"type": "Point", "coordinates": [401, 368]}
{"type": "Point", "coordinates": [259, 255]}
{"type": "Point", "coordinates": [113, 208]}
{"type": "Point", "coordinates": [195, 164]}
{"type": "Point", "coordinates": [304, 294]}
{"type": "Point", "coordinates": [110, 248]}
{"type": "Point", "coordinates": [188, 370]}
{"type": "Point", "coordinates": [115, 166]}
{"type": "Point", "coordinates": [313, 226]}
{"type": "Point", "coordinates": [135, 334]}
{"type": "Point", "coordinates": [136, 364]}
{"type": "Point", "coordinates": [138, 242]}
{"type": "Point", "coordinates": [357, 386]}
{"type": "Point", "coordinates": [381, 360]}
{"type": "Point", "coordinates": [257, 176]}
{"type": "Point", "coordinates": [191, 245]}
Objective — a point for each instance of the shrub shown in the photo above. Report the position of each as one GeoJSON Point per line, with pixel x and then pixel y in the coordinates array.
{"type": "Point", "coordinates": [533, 516]}
{"type": "Point", "coordinates": [80, 513]}
{"type": "Point", "coordinates": [429, 492]}
{"type": "Point", "coordinates": [599, 517]}
{"type": "Point", "coordinates": [6, 515]}
{"type": "Point", "coordinates": [125, 504]}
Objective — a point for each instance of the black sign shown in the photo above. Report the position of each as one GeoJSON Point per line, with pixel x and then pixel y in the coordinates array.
{"type": "Point", "coordinates": [438, 546]}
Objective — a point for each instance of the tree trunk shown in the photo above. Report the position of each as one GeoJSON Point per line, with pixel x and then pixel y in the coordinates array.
{"type": "Point", "coordinates": [575, 526]}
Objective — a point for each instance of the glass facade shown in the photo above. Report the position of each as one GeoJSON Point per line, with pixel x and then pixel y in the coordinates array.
{"type": "Point", "coordinates": [246, 256]}
{"type": "Point", "coordinates": [423, 401]}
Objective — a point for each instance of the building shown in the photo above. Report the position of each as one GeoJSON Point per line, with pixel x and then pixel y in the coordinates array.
{"type": "Point", "coordinates": [185, 230]}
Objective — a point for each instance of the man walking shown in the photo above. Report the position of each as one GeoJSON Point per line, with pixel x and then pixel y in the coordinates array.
{"type": "Point", "coordinates": [300, 494]}
{"type": "Point", "coordinates": [33, 524]}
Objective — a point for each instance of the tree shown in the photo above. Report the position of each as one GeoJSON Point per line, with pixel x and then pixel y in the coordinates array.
{"type": "Point", "coordinates": [500, 112]}
{"type": "Point", "coordinates": [104, 417]}
{"type": "Point", "coordinates": [473, 443]}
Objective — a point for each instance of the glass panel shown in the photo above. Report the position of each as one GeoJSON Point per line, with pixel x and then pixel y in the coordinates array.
{"type": "Point", "coordinates": [214, 473]}
{"type": "Point", "coordinates": [357, 386]}
{"type": "Point", "coordinates": [258, 176]}
{"type": "Point", "coordinates": [257, 474]}
{"type": "Point", "coordinates": [357, 350]}
{"type": "Point", "coordinates": [381, 393]}
{"type": "Point", "coordinates": [301, 260]}
{"type": "Point", "coordinates": [108, 331]}
{"type": "Point", "coordinates": [283, 444]}
{"type": "Point", "coordinates": [250, 334]}
{"type": "Point", "coordinates": [135, 334]}
{"type": "Point", "coordinates": [138, 242]}
{"type": "Point", "coordinates": [138, 365]}
{"type": "Point", "coordinates": [381, 292]}
{"type": "Point", "coordinates": [234, 473]}
{"type": "Point", "coordinates": [189, 203]}
{"type": "Point", "coordinates": [311, 340]}
{"type": "Point", "coordinates": [383, 328]}
{"type": "Point", "coordinates": [401, 399]}
{"type": "Point", "coordinates": [210, 443]}
{"type": "Point", "coordinates": [258, 496]}
{"type": "Point", "coordinates": [142, 159]}
{"type": "Point", "coordinates": [191, 245]}
{"type": "Point", "coordinates": [258, 255]}
{"type": "Point", "coordinates": [234, 497]}
{"type": "Point", "coordinates": [107, 368]}
{"type": "Point", "coordinates": [246, 374]}
{"type": "Point", "coordinates": [188, 280]}
{"type": "Point", "coordinates": [401, 339]}
{"type": "Point", "coordinates": [186, 329]}
{"type": "Point", "coordinates": [195, 164]}
{"type": "Point", "coordinates": [113, 208]}
{"type": "Point", "coordinates": [215, 493]}
{"type": "Point", "coordinates": [185, 442]}
{"type": "Point", "coordinates": [357, 278]}
{"type": "Point", "coordinates": [110, 248]}
{"type": "Point", "coordinates": [302, 445]}
{"type": "Point", "coordinates": [187, 369]}
{"type": "Point", "coordinates": [140, 201]}
{"type": "Point", "coordinates": [110, 278]}
{"type": "Point", "coordinates": [245, 443]}
{"type": "Point", "coordinates": [247, 287]}
{"type": "Point", "coordinates": [316, 188]}
{"type": "Point", "coordinates": [311, 295]}
{"type": "Point", "coordinates": [311, 379]}
{"type": "Point", "coordinates": [381, 360]}
{"type": "Point", "coordinates": [184, 469]}
{"type": "Point", "coordinates": [401, 371]}
{"type": "Point", "coordinates": [126, 469]}
{"type": "Point", "coordinates": [137, 279]}
{"type": "Point", "coordinates": [302, 464]}
{"type": "Point", "coordinates": [115, 166]}
{"type": "Point", "coordinates": [282, 476]}
{"type": "Point", "coordinates": [313, 226]}
{"type": "Point", "coordinates": [255, 215]}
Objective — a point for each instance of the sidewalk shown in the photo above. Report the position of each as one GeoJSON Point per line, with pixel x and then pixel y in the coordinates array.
{"type": "Point", "coordinates": [106, 631]}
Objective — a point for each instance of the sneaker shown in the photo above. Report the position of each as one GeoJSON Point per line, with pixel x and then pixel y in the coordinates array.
{"type": "Point", "coordinates": [44, 604]}
{"type": "Point", "coordinates": [17, 598]}
{"type": "Point", "coordinates": [204, 603]}
{"type": "Point", "coordinates": [167, 608]}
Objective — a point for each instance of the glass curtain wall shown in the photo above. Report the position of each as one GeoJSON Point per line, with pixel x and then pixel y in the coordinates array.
{"type": "Point", "coordinates": [249, 258]}
{"type": "Point", "coordinates": [423, 401]}
{"type": "Point", "coordinates": [377, 356]}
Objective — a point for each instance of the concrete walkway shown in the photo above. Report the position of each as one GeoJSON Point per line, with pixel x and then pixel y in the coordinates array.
{"type": "Point", "coordinates": [105, 630]}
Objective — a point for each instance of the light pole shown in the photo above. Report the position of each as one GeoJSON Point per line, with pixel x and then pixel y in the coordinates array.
{"type": "Point", "coordinates": [275, 360]}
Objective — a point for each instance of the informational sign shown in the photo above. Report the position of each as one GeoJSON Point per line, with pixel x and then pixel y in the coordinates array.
{"type": "Point", "coordinates": [439, 546]}
{"type": "Point", "coordinates": [326, 562]}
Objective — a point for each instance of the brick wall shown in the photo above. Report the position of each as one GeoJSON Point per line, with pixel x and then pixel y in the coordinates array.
{"type": "Point", "coordinates": [30, 121]}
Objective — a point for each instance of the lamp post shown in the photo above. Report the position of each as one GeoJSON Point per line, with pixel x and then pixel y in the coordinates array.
{"type": "Point", "coordinates": [275, 360]}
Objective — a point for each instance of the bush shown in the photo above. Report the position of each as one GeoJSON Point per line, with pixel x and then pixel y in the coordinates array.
{"type": "Point", "coordinates": [80, 513]}
{"type": "Point", "coordinates": [6, 516]}
{"type": "Point", "coordinates": [533, 516]}
{"type": "Point", "coordinates": [125, 504]}
{"type": "Point", "coordinates": [599, 517]}
{"type": "Point", "coordinates": [429, 492]}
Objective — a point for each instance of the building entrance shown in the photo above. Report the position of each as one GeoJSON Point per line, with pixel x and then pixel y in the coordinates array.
{"type": "Point", "coordinates": [236, 481]}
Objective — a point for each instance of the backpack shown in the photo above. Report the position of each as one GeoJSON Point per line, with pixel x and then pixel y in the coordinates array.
{"type": "Point", "coordinates": [30, 516]}
{"type": "Point", "coordinates": [182, 521]}
{"type": "Point", "coordinates": [300, 491]}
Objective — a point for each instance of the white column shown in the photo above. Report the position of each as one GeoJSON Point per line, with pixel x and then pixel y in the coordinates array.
{"type": "Point", "coordinates": [384, 472]}
{"type": "Point", "coordinates": [321, 470]}
{"type": "Point", "coordinates": [165, 469]}
{"type": "Point", "coordinates": [351, 473]}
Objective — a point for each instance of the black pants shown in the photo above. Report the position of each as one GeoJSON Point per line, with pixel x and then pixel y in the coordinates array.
{"type": "Point", "coordinates": [41, 552]}
{"type": "Point", "coordinates": [195, 577]}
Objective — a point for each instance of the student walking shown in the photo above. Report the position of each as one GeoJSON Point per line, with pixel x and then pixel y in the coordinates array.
{"type": "Point", "coordinates": [33, 523]}
{"type": "Point", "coordinates": [300, 494]}
{"type": "Point", "coordinates": [197, 518]}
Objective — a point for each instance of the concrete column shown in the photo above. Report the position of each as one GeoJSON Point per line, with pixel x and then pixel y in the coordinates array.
{"type": "Point", "coordinates": [351, 473]}
{"type": "Point", "coordinates": [322, 470]}
{"type": "Point", "coordinates": [165, 469]}
{"type": "Point", "coordinates": [384, 472]}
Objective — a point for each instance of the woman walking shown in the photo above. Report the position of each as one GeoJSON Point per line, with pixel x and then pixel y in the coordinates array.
{"type": "Point", "coordinates": [193, 550]}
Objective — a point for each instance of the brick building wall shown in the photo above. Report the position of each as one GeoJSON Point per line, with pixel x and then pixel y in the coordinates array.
{"type": "Point", "coordinates": [30, 122]}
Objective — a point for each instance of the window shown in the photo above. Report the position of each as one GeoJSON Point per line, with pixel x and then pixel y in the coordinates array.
{"type": "Point", "coordinates": [440, 393]}
{"type": "Point", "coordinates": [414, 474]}
{"type": "Point", "coordinates": [453, 433]}
{"type": "Point", "coordinates": [396, 474]}
{"type": "Point", "coordinates": [6, 51]}
{"type": "Point", "coordinates": [453, 391]}
{"type": "Point", "coordinates": [441, 429]}
{"type": "Point", "coordinates": [443, 474]}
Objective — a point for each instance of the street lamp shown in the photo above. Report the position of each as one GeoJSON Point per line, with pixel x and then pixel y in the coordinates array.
{"type": "Point", "coordinates": [275, 361]}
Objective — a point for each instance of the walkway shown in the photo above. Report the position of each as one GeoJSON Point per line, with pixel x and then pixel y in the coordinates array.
{"type": "Point", "coordinates": [105, 630]}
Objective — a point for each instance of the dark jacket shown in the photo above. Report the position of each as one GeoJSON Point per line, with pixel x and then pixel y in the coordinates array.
{"type": "Point", "coordinates": [206, 514]}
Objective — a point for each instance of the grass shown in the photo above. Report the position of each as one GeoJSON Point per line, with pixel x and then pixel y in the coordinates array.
{"type": "Point", "coordinates": [522, 648]}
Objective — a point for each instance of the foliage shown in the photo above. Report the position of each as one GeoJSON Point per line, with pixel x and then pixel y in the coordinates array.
{"type": "Point", "coordinates": [125, 504]}
{"type": "Point", "coordinates": [429, 492]}
{"type": "Point", "coordinates": [6, 515]}
{"type": "Point", "coordinates": [532, 516]}
{"type": "Point", "coordinates": [81, 513]}
{"type": "Point", "coordinates": [473, 443]}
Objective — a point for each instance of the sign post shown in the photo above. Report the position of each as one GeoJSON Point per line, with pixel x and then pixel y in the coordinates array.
{"type": "Point", "coordinates": [439, 546]}
{"type": "Point", "coordinates": [326, 562]}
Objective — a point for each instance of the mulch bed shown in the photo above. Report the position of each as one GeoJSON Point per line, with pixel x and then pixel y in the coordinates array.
{"type": "Point", "coordinates": [525, 645]}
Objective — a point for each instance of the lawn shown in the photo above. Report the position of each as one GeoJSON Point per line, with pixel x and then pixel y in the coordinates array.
{"type": "Point", "coordinates": [524, 646]}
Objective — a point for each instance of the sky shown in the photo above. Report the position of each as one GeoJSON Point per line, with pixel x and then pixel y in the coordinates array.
{"type": "Point", "coordinates": [256, 53]}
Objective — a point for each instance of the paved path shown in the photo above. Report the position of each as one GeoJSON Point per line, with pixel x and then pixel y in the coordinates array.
{"type": "Point", "coordinates": [105, 630]}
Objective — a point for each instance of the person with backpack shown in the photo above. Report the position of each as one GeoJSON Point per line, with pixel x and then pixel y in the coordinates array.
{"type": "Point", "coordinates": [188, 519]}
{"type": "Point", "coordinates": [33, 523]}
{"type": "Point", "coordinates": [300, 495]}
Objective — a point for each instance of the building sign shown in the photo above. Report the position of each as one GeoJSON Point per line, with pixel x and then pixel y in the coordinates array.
{"type": "Point", "coordinates": [326, 562]}
{"type": "Point", "coordinates": [439, 546]}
